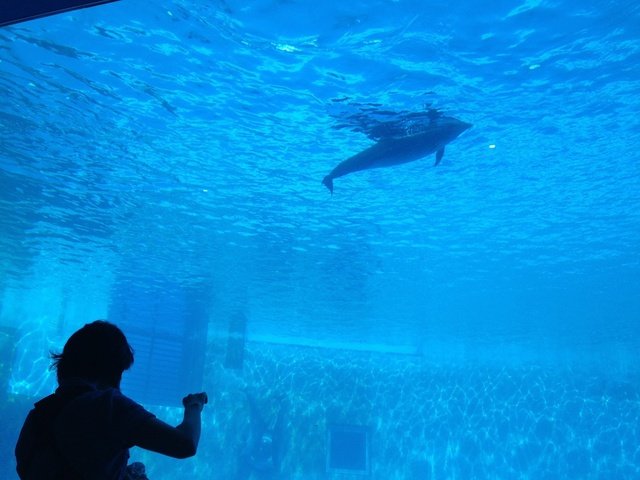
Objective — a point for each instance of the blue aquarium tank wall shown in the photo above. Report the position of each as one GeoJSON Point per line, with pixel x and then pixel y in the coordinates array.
{"type": "Point", "coordinates": [402, 235]}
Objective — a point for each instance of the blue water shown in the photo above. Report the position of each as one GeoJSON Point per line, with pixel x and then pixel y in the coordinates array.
{"type": "Point", "coordinates": [161, 166]}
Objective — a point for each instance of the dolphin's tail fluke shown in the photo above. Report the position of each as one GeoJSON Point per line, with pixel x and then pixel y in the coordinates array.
{"type": "Point", "coordinates": [328, 182]}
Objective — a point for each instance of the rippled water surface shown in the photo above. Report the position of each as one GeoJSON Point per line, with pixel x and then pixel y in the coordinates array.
{"type": "Point", "coordinates": [164, 159]}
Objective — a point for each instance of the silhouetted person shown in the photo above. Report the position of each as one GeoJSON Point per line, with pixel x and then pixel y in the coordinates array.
{"type": "Point", "coordinates": [85, 429]}
{"type": "Point", "coordinates": [262, 457]}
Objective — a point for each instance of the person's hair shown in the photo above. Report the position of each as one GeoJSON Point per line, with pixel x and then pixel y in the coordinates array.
{"type": "Point", "coordinates": [99, 351]}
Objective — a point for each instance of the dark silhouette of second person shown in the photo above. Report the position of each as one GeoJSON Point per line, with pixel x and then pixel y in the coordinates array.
{"type": "Point", "coordinates": [84, 430]}
{"type": "Point", "coordinates": [262, 456]}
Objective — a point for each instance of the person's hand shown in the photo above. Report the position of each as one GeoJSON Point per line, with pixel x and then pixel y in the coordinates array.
{"type": "Point", "coordinates": [195, 400]}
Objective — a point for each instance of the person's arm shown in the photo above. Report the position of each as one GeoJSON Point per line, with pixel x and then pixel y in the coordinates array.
{"type": "Point", "coordinates": [178, 442]}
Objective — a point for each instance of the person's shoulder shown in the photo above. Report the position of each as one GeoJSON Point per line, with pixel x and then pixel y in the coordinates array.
{"type": "Point", "coordinates": [111, 399]}
{"type": "Point", "coordinates": [126, 406]}
{"type": "Point", "coordinates": [116, 397]}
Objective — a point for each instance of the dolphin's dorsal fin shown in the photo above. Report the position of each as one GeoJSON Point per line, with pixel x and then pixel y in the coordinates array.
{"type": "Point", "coordinates": [439, 155]}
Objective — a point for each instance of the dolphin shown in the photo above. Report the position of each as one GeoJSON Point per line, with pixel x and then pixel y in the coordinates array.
{"type": "Point", "coordinates": [391, 151]}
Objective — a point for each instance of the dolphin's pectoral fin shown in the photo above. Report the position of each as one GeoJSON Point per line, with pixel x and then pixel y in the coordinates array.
{"type": "Point", "coordinates": [328, 182]}
{"type": "Point", "coordinates": [439, 155]}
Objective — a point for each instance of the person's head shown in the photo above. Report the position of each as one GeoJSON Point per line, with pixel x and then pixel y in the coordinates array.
{"type": "Point", "coordinates": [98, 352]}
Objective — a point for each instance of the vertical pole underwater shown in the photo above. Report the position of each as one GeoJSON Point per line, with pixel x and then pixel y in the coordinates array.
{"type": "Point", "coordinates": [236, 341]}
